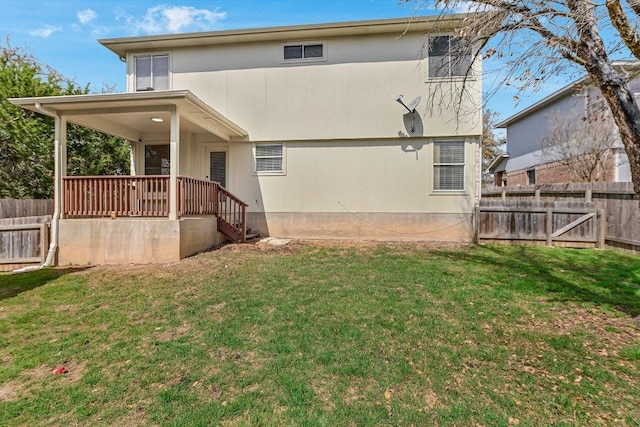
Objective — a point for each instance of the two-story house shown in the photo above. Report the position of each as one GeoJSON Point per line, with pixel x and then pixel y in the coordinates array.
{"type": "Point", "coordinates": [297, 131]}
{"type": "Point", "coordinates": [566, 137]}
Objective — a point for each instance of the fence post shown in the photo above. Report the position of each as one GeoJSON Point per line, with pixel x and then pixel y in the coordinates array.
{"type": "Point", "coordinates": [537, 196]}
{"type": "Point", "coordinates": [476, 225]}
{"type": "Point", "coordinates": [44, 241]}
{"type": "Point", "coordinates": [588, 195]}
{"type": "Point", "coordinates": [549, 226]}
{"type": "Point", "coordinates": [602, 229]}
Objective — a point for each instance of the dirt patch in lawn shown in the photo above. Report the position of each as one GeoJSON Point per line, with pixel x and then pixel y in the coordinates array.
{"type": "Point", "coordinates": [19, 387]}
{"type": "Point", "coordinates": [219, 255]}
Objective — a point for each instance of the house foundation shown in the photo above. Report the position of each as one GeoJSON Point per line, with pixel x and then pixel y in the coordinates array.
{"type": "Point", "coordinates": [382, 226]}
{"type": "Point", "coordinates": [134, 240]}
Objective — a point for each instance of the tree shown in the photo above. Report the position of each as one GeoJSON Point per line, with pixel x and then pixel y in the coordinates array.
{"type": "Point", "coordinates": [26, 138]}
{"type": "Point", "coordinates": [538, 39]}
{"type": "Point", "coordinates": [583, 144]}
{"type": "Point", "coordinates": [491, 146]}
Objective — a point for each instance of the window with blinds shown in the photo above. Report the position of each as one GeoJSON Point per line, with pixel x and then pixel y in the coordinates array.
{"type": "Point", "coordinates": [152, 72]}
{"type": "Point", "coordinates": [448, 165]}
{"type": "Point", "coordinates": [269, 158]}
{"type": "Point", "coordinates": [218, 167]}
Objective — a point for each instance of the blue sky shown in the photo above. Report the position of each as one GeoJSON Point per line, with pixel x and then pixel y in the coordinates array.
{"type": "Point", "coordinates": [63, 33]}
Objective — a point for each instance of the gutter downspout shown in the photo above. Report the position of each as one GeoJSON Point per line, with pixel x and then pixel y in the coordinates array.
{"type": "Point", "coordinates": [53, 246]}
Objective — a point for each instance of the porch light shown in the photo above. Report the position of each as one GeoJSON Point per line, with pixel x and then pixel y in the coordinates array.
{"type": "Point", "coordinates": [157, 119]}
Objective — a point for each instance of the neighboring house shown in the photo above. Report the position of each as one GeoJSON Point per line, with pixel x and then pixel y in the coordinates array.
{"type": "Point", "coordinates": [289, 131]}
{"type": "Point", "coordinates": [528, 160]}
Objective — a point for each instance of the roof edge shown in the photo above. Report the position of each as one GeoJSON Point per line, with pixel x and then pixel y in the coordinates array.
{"type": "Point", "coordinates": [99, 97]}
{"type": "Point", "coordinates": [571, 87]}
{"type": "Point", "coordinates": [120, 46]}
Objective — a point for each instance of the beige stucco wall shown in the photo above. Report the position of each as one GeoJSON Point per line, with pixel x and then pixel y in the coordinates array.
{"type": "Point", "coordinates": [392, 175]}
{"type": "Point", "coordinates": [351, 94]}
{"type": "Point", "coordinates": [358, 176]}
{"type": "Point", "coordinates": [133, 240]}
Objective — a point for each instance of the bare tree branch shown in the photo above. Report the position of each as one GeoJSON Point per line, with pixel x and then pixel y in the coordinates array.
{"type": "Point", "coordinates": [583, 145]}
{"type": "Point", "coordinates": [619, 20]}
{"type": "Point", "coordinates": [635, 6]}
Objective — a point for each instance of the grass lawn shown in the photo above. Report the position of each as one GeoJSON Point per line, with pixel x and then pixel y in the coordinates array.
{"type": "Point", "coordinates": [332, 334]}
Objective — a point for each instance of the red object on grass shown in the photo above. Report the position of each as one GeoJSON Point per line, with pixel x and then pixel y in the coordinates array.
{"type": "Point", "coordinates": [60, 370]}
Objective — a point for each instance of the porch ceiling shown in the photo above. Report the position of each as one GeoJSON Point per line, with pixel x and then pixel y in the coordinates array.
{"type": "Point", "coordinates": [128, 115]}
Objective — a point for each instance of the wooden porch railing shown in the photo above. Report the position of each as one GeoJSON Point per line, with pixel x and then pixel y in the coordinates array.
{"type": "Point", "coordinates": [95, 196]}
{"type": "Point", "coordinates": [148, 196]}
{"type": "Point", "coordinates": [232, 215]}
{"type": "Point", "coordinates": [197, 197]}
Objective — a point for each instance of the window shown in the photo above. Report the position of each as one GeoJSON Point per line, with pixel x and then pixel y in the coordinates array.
{"type": "Point", "coordinates": [446, 58]}
{"type": "Point", "coordinates": [152, 72]}
{"type": "Point", "coordinates": [293, 52]}
{"type": "Point", "coordinates": [156, 160]}
{"type": "Point", "coordinates": [531, 176]}
{"type": "Point", "coordinates": [448, 165]}
{"type": "Point", "coordinates": [269, 158]}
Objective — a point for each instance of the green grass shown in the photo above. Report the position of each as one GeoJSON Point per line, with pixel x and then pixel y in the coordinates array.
{"type": "Point", "coordinates": [327, 335]}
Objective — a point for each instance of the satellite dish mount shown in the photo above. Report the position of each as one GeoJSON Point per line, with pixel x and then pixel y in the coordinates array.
{"type": "Point", "coordinates": [411, 108]}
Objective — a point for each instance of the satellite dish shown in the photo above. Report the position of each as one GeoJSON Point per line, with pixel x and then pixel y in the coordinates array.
{"type": "Point", "coordinates": [413, 104]}
{"type": "Point", "coordinates": [411, 108]}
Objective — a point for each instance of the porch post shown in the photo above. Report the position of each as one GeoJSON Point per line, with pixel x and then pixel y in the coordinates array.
{"type": "Point", "coordinates": [60, 160]}
{"type": "Point", "coordinates": [174, 165]}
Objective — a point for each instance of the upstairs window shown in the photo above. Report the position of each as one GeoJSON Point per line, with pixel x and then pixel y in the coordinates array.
{"type": "Point", "coordinates": [448, 165]}
{"type": "Point", "coordinates": [152, 72]}
{"type": "Point", "coordinates": [446, 59]}
{"type": "Point", "coordinates": [269, 159]}
{"type": "Point", "coordinates": [302, 51]}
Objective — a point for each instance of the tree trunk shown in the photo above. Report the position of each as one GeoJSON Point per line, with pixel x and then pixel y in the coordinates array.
{"type": "Point", "coordinates": [626, 115]}
{"type": "Point", "coordinates": [612, 84]}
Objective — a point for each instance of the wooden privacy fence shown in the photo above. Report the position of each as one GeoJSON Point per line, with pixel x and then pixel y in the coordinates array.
{"type": "Point", "coordinates": [515, 214]}
{"type": "Point", "coordinates": [574, 225]}
{"type": "Point", "coordinates": [15, 208]}
{"type": "Point", "coordinates": [23, 241]}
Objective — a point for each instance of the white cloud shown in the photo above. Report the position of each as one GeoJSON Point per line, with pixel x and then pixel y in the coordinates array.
{"type": "Point", "coordinates": [86, 16]}
{"type": "Point", "coordinates": [45, 31]}
{"type": "Point", "coordinates": [175, 19]}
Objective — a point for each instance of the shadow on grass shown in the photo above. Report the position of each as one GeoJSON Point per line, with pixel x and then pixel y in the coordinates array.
{"type": "Point", "coordinates": [585, 275]}
{"type": "Point", "coordinates": [14, 284]}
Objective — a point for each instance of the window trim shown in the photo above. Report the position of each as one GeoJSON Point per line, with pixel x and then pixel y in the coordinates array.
{"type": "Point", "coordinates": [281, 172]}
{"type": "Point", "coordinates": [472, 74]}
{"type": "Point", "coordinates": [132, 60]}
{"type": "Point", "coordinates": [322, 58]}
{"type": "Point", "coordinates": [462, 190]}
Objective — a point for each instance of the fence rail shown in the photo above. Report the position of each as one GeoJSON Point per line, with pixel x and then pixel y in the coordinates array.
{"type": "Point", "coordinates": [23, 241]}
{"type": "Point", "coordinates": [537, 223]}
{"type": "Point", "coordinates": [616, 209]}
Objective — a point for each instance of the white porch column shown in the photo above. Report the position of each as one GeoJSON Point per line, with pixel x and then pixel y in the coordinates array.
{"type": "Point", "coordinates": [174, 166]}
{"type": "Point", "coordinates": [60, 160]}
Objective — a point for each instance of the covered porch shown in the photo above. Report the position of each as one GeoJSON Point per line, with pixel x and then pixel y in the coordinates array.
{"type": "Point", "coordinates": [174, 205]}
